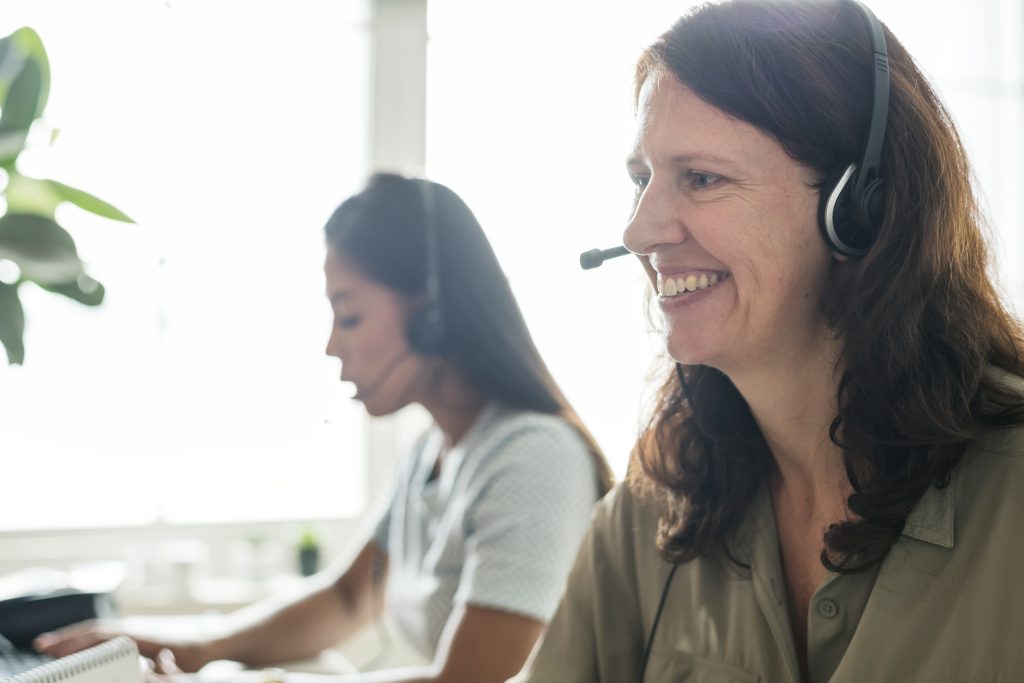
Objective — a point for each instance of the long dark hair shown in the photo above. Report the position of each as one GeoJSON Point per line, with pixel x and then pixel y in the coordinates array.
{"type": "Point", "coordinates": [920, 321]}
{"type": "Point", "coordinates": [382, 231]}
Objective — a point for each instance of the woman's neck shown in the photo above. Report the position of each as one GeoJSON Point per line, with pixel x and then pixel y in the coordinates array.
{"type": "Point", "coordinates": [453, 403]}
{"type": "Point", "coordinates": [794, 400]}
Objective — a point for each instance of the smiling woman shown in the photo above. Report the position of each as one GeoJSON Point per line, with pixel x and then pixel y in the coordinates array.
{"type": "Point", "coordinates": [846, 388]}
{"type": "Point", "coordinates": [725, 212]}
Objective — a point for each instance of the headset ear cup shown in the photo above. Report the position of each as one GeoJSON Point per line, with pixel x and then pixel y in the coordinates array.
{"type": "Point", "coordinates": [873, 204]}
{"type": "Point", "coordinates": [834, 207]}
{"type": "Point", "coordinates": [841, 217]}
{"type": "Point", "coordinates": [425, 330]}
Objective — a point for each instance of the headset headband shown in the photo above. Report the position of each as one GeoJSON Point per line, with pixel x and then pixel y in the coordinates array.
{"type": "Point", "coordinates": [871, 159]}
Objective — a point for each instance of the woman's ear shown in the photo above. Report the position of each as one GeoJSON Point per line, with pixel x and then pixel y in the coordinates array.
{"type": "Point", "coordinates": [839, 256]}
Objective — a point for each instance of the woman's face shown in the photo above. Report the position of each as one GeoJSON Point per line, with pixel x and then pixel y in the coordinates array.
{"type": "Point", "coordinates": [725, 223]}
{"type": "Point", "coordinates": [368, 336]}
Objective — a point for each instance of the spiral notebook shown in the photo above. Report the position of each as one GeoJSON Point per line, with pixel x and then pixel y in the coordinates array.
{"type": "Point", "coordinates": [115, 661]}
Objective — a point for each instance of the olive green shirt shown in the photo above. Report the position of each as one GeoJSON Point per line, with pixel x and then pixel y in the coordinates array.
{"type": "Point", "coordinates": [946, 603]}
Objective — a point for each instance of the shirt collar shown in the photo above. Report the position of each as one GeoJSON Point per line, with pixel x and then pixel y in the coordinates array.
{"type": "Point", "coordinates": [931, 520]}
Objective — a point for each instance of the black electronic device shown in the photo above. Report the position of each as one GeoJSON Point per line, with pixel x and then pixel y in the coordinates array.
{"type": "Point", "coordinates": [426, 328]}
{"type": "Point", "coordinates": [25, 617]}
{"type": "Point", "coordinates": [595, 257]}
{"type": "Point", "coordinates": [852, 201]}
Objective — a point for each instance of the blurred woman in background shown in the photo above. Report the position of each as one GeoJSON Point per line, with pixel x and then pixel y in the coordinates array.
{"type": "Point", "coordinates": [471, 553]}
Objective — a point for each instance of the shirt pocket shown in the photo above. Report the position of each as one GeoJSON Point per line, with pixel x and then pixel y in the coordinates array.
{"type": "Point", "coordinates": [674, 666]}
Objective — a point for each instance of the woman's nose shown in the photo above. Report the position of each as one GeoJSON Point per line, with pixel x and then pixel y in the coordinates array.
{"type": "Point", "coordinates": [657, 221]}
{"type": "Point", "coordinates": [333, 348]}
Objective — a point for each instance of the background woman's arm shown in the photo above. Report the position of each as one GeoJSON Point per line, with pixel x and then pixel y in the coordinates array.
{"type": "Point", "coordinates": [333, 606]}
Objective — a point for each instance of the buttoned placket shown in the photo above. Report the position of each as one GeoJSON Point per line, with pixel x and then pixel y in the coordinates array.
{"type": "Point", "coordinates": [834, 611]}
{"type": "Point", "coordinates": [832, 617]}
{"type": "Point", "coordinates": [769, 589]}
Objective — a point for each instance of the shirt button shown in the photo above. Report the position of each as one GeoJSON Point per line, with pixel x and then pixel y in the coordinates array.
{"type": "Point", "coordinates": [828, 608]}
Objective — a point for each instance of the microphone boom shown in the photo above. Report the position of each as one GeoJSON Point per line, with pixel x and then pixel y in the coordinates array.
{"type": "Point", "coordinates": [595, 257]}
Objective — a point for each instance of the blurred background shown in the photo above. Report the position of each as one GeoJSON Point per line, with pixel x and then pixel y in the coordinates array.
{"type": "Point", "coordinates": [182, 442]}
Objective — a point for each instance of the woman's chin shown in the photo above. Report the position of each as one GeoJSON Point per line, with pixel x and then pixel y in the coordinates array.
{"type": "Point", "coordinates": [691, 354]}
{"type": "Point", "coordinates": [375, 410]}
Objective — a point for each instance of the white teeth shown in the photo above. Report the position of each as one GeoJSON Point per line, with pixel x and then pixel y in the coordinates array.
{"type": "Point", "coordinates": [674, 286]}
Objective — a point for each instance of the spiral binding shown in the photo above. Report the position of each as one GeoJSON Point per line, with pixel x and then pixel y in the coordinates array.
{"type": "Point", "coordinates": [79, 662]}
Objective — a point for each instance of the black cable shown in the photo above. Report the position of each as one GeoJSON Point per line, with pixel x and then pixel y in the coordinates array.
{"type": "Point", "coordinates": [654, 625]}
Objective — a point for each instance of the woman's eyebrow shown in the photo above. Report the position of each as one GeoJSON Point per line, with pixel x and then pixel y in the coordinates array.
{"type": "Point", "coordinates": [690, 157]}
{"type": "Point", "coordinates": [686, 159]}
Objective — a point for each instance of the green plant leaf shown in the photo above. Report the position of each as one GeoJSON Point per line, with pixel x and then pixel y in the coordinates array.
{"type": "Point", "coordinates": [29, 46]}
{"type": "Point", "coordinates": [24, 87]}
{"type": "Point", "coordinates": [11, 145]}
{"type": "Point", "coordinates": [11, 61]}
{"type": "Point", "coordinates": [308, 539]}
{"type": "Point", "coordinates": [5, 47]}
{"type": "Point", "coordinates": [31, 195]}
{"type": "Point", "coordinates": [43, 250]}
{"type": "Point", "coordinates": [32, 45]}
{"type": "Point", "coordinates": [86, 201]}
{"type": "Point", "coordinates": [12, 324]}
{"type": "Point", "coordinates": [21, 106]}
{"type": "Point", "coordinates": [84, 290]}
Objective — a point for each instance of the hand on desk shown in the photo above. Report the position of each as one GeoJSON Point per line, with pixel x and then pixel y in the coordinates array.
{"type": "Point", "coordinates": [188, 656]}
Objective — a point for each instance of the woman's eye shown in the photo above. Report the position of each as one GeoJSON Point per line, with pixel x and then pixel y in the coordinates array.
{"type": "Point", "coordinates": [348, 322]}
{"type": "Point", "coordinates": [702, 181]}
{"type": "Point", "coordinates": [639, 182]}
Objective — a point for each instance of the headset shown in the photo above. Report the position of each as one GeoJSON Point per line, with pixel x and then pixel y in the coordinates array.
{"type": "Point", "coordinates": [425, 328]}
{"type": "Point", "coordinates": [849, 213]}
{"type": "Point", "coordinates": [852, 201]}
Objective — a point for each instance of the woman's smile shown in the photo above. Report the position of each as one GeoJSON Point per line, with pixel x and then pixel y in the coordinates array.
{"type": "Point", "coordinates": [682, 284]}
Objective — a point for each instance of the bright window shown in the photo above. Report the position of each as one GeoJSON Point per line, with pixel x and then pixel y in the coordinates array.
{"type": "Point", "coordinates": [199, 391]}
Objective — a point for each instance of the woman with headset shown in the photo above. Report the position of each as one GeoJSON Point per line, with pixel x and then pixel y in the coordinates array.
{"type": "Point", "coordinates": [487, 512]}
{"type": "Point", "coordinates": [831, 485]}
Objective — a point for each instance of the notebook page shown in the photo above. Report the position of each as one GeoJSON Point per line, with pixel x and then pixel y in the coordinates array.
{"type": "Point", "coordinates": [115, 661]}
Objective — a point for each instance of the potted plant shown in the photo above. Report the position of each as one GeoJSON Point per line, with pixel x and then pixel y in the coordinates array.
{"type": "Point", "coordinates": [33, 246]}
{"type": "Point", "coordinates": [309, 553]}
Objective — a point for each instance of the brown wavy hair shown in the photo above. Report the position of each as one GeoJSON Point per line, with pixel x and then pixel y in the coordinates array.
{"type": "Point", "coordinates": [920, 322]}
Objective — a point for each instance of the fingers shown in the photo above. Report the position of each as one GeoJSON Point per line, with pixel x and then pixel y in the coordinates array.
{"type": "Point", "coordinates": [151, 648]}
{"type": "Point", "coordinates": [72, 638]}
{"type": "Point", "coordinates": [165, 663]}
{"type": "Point", "coordinates": [69, 639]}
{"type": "Point", "coordinates": [161, 668]}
